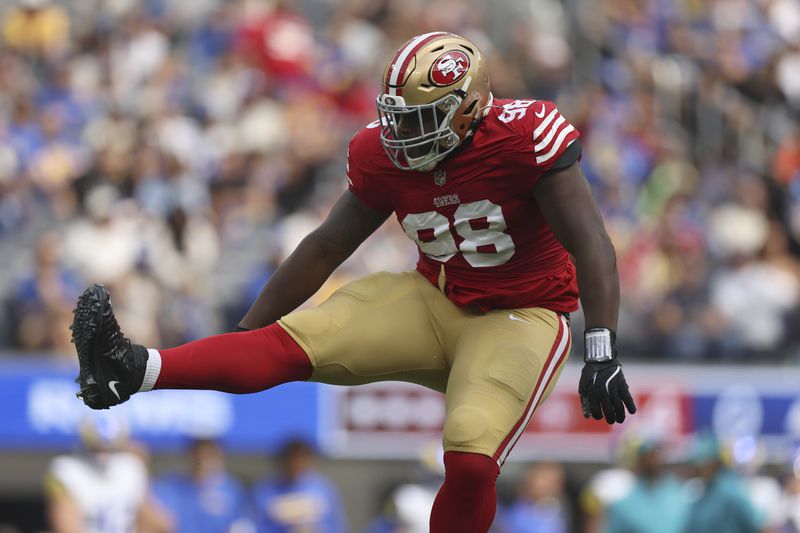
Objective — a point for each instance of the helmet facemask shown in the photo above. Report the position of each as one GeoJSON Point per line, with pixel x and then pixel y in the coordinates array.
{"type": "Point", "coordinates": [416, 137]}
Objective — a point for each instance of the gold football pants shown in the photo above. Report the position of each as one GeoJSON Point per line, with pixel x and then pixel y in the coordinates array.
{"type": "Point", "coordinates": [495, 368]}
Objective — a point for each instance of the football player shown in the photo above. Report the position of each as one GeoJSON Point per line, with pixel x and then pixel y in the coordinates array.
{"type": "Point", "coordinates": [104, 488]}
{"type": "Point", "coordinates": [492, 194]}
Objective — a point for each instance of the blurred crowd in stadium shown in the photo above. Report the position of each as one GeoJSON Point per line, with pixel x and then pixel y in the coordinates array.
{"type": "Point", "coordinates": [710, 488]}
{"type": "Point", "coordinates": [176, 151]}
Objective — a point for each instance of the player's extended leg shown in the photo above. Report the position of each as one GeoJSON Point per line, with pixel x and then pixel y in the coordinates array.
{"type": "Point", "coordinates": [377, 328]}
{"type": "Point", "coordinates": [112, 368]}
{"type": "Point", "coordinates": [504, 365]}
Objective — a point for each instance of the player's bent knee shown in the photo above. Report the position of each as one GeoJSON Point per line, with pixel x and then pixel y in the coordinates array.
{"type": "Point", "coordinates": [465, 425]}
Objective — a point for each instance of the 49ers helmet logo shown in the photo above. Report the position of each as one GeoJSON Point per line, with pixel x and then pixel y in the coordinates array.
{"type": "Point", "coordinates": [448, 68]}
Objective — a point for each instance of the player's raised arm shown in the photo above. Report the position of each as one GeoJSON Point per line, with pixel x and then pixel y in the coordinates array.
{"type": "Point", "coordinates": [348, 224]}
{"type": "Point", "coordinates": [566, 201]}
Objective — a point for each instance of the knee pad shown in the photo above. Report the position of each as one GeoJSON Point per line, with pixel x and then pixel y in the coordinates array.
{"type": "Point", "coordinates": [465, 424]}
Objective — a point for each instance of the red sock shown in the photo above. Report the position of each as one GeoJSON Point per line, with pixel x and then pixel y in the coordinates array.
{"type": "Point", "coordinates": [467, 501]}
{"type": "Point", "coordinates": [249, 361]}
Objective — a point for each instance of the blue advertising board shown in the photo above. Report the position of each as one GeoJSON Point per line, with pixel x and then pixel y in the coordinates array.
{"type": "Point", "coordinates": [394, 420]}
{"type": "Point", "coordinates": [40, 412]}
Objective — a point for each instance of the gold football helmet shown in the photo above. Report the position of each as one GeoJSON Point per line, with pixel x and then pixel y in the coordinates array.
{"type": "Point", "coordinates": [435, 92]}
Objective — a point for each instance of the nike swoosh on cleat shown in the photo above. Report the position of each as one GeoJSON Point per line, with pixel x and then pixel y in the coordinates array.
{"type": "Point", "coordinates": [113, 386]}
{"type": "Point", "coordinates": [512, 316]}
{"type": "Point", "coordinates": [540, 114]}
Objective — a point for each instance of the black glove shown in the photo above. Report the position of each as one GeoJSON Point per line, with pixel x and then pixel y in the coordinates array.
{"type": "Point", "coordinates": [602, 388]}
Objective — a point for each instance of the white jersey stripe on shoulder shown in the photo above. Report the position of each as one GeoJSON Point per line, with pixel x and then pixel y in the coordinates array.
{"type": "Point", "coordinates": [404, 55]}
{"type": "Point", "coordinates": [556, 145]}
{"type": "Point", "coordinates": [550, 134]}
{"type": "Point", "coordinates": [538, 131]}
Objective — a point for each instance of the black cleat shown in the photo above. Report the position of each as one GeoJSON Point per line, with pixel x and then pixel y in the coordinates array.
{"type": "Point", "coordinates": [111, 367]}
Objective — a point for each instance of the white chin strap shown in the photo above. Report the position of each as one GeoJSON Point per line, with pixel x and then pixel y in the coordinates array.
{"type": "Point", "coordinates": [429, 166]}
{"type": "Point", "coordinates": [424, 168]}
{"type": "Point", "coordinates": [488, 105]}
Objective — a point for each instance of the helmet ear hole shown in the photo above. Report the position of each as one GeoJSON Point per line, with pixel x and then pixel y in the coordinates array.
{"type": "Point", "coordinates": [471, 107]}
{"type": "Point", "coordinates": [465, 119]}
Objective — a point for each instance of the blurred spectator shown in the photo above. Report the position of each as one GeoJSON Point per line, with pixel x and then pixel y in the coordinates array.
{"type": "Point", "coordinates": [37, 28]}
{"type": "Point", "coordinates": [280, 41]}
{"type": "Point", "coordinates": [40, 306]}
{"type": "Point", "coordinates": [610, 485]}
{"type": "Point", "coordinates": [298, 498]}
{"type": "Point", "coordinates": [748, 455]}
{"type": "Point", "coordinates": [106, 244]}
{"type": "Point", "coordinates": [540, 506]}
{"type": "Point", "coordinates": [603, 489]}
{"type": "Point", "coordinates": [721, 501]}
{"type": "Point", "coordinates": [753, 294]}
{"type": "Point", "coordinates": [791, 499]}
{"type": "Point", "coordinates": [656, 503]}
{"type": "Point", "coordinates": [406, 507]}
{"type": "Point", "coordinates": [184, 250]}
{"type": "Point", "coordinates": [786, 163]}
{"type": "Point", "coordinates": [104, 489]}
{"type": "Point", "coordinates": [206, 499]}
{"type": "Point", "coordinates": [386, 519]}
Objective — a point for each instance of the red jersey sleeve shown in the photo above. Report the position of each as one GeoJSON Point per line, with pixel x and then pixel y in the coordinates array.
{"type": "Point", "coordinates": [365, 189]}
{"type": "Point", "coordinates": [546, 135]}
{"type": "Point", "coordinates": [552, 134]}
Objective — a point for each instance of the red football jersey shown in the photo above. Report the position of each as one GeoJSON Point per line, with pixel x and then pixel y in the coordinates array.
{"type": "Point", "coordinates": [475, 212]}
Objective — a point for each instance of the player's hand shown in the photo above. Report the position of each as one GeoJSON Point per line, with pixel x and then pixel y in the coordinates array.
{"type": "Point", "coordinates": [604, 392]}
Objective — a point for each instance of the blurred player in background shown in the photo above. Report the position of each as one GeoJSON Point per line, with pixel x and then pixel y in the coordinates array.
{"type": "Point", "coordinates": [656, 501]}
{"type": "Point", "coordinates": [508, 232]}
{"type": "Point", "coordinates": [206, 499]}
{"type": "Point", "coordinates": [721, 500]}
{"type": "Point", "coordinates": [791, 499]}
{"type": "Point", "coordinates": [299, 497]}
{"type": "Point", "coordinates": [540, 503]}
{"type": "Point", "coordinates": [406, 506]}
{"type": "Point", "coordinates": [104, 489]}
{"type": "Point", "coordinates": [748, 457]}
